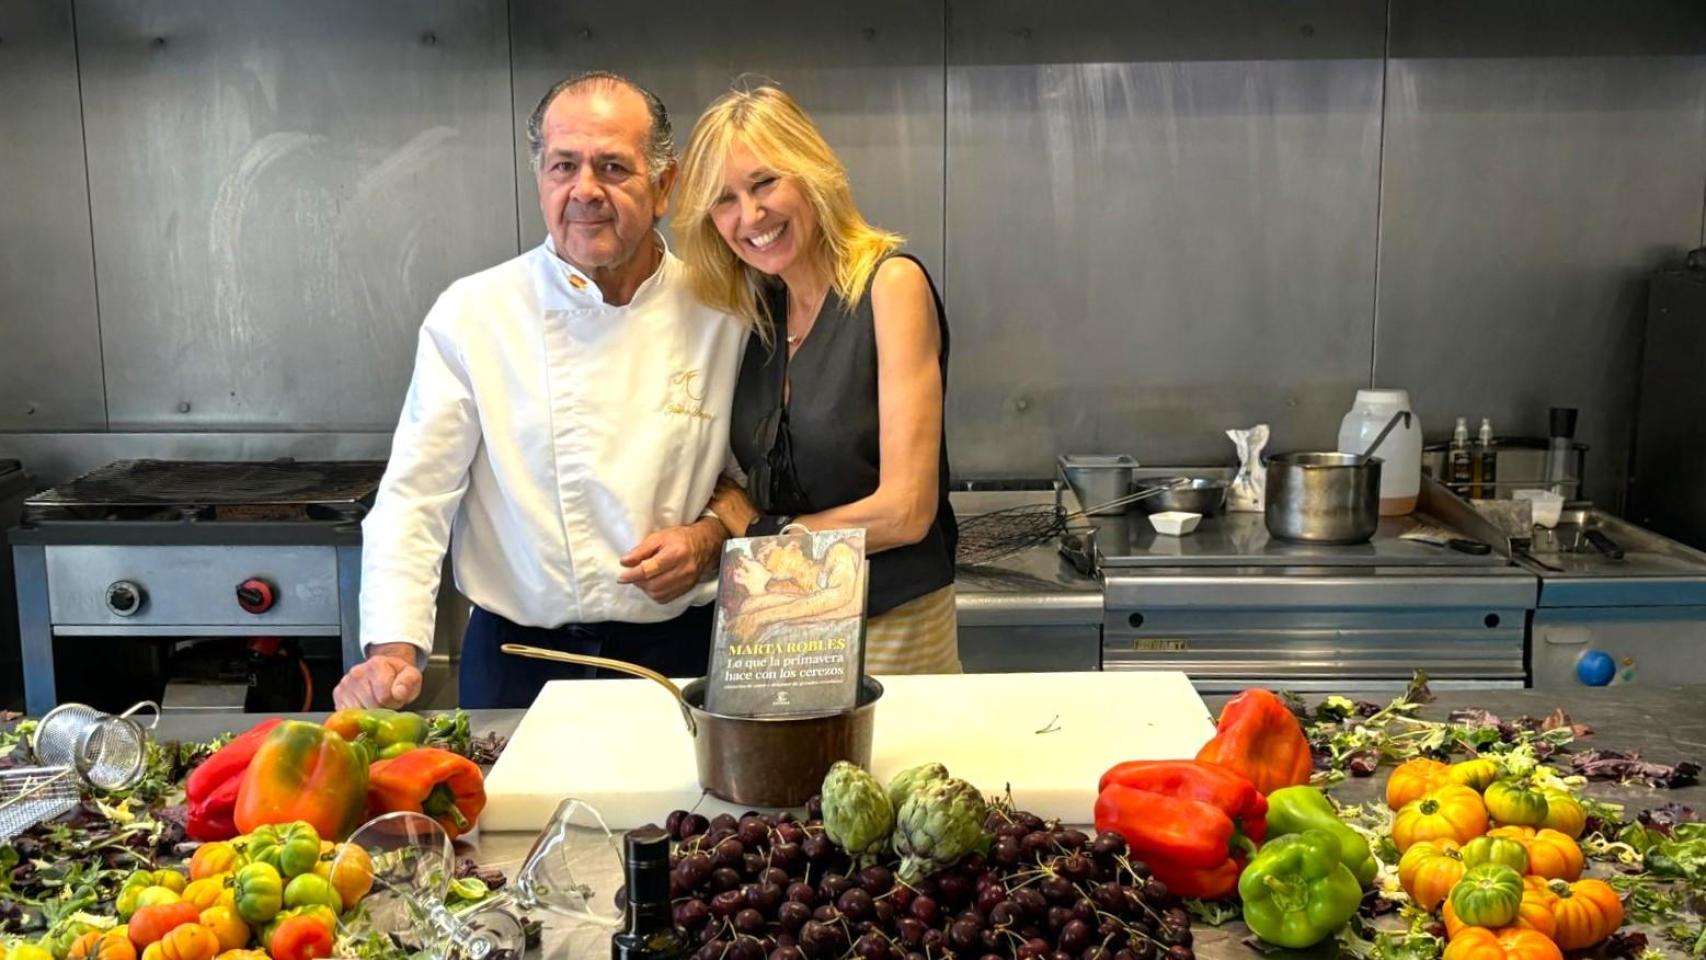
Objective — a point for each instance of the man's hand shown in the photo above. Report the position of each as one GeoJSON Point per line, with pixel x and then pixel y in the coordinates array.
{"type": "Point", "coordinates": [668, 563]}
{"type": "Point", "coordinates": [387, 678]}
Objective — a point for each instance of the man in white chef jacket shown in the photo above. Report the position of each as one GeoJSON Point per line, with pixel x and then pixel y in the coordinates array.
{"type": "Point", "coordinates": [567, 422]}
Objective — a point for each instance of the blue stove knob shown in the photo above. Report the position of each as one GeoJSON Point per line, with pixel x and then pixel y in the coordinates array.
{"type": "Point", "coordinates": [1596, 668]}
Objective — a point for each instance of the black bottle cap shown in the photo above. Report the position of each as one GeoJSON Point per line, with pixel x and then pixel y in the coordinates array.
{"type": "Point", "coordinates": [646, 845]}
{"type": "Point", "coordinates": [1563, 421]}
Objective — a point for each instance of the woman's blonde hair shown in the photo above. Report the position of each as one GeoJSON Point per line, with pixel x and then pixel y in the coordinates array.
{"type": "Point", "coordinates": [769, 123]}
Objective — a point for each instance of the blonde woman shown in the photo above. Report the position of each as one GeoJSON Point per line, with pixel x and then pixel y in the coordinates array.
{"type": "Point", "coordinates": [837, 417]}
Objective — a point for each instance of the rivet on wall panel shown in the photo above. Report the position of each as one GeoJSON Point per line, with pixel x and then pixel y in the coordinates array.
{"type": "Point", "coordinates": [586, 33]}
{"type": "Point", "coordinates": [159, 42]}
{"type": "Point", "coordinates": [429, 38]}
{"type": "Point", "coordinates": [869, 33]}
{"type": "Point", "coordinates": [1023, 33]}
{"type": "Point", "coordinates": [184, 406]}
{"type": "Point", "coordinates": [1021, 404]}
{"type": "Point", "coordinates": [29, 409]}
{"type": "Point", "coordinates": [1307, 30]}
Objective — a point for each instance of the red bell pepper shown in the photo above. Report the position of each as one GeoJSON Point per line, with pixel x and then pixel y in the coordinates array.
{"type": "Point", "coordinates": [1192, 780]}
{"type": "Point", "coordinates": [1258, 737]}
{"type": "Point", "coordinates": [211, 790]}
{"type": "Point", "coordinates": [445, 786]}
{"type": "Point", "coordinates": [1193, 823]}
{"type": "Point", "coordinates": [1216, 883]}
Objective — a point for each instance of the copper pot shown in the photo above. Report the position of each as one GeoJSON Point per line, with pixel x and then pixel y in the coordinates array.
{"type": "Point", "coordinates": [755, 761]}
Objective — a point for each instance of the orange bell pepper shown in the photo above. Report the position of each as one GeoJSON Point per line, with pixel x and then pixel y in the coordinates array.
{"type": "Point", "coordinates": [304, 772]}
{"type": "Point", "coordinates": [1259, 738]}
{"type": "Point", "coordinates": [445, 786]}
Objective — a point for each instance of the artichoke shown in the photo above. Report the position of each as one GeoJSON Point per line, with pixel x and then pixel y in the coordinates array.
{"type": "Point", "coordinates": [857, 816]}
{"type": "Point", "coordinates": [906, 782]}
{"type": "Point", "coordinates": [940, 823]}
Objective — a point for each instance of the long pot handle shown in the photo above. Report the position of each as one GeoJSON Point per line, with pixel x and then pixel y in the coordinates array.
{"type": "Point", "coordinates": [605, 663]}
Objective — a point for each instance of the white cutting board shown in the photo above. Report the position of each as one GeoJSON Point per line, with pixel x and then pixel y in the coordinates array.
{"type": "Point", "coordinates": [621, 746]}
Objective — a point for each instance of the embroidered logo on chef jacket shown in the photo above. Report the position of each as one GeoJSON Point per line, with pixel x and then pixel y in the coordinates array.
{"type": "Point", "coordinates": [686, 395]}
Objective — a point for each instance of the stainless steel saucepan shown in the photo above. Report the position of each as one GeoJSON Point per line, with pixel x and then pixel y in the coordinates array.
{"type": "Point", "coordinates": [1329, 498]}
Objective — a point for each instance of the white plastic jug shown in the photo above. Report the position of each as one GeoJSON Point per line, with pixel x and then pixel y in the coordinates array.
{"type": "Point", "coordinates": [1400, 453]}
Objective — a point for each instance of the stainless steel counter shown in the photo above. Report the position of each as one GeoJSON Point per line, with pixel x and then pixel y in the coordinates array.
{"type": "Point", "coordinates": [1031, 611]}
{"type": "Point", "coordinates": [1233, 607]}
{"type": "Point", "coordinates": [1606, 619]}
{"type": "Point", "coordinates": [1666, 724]}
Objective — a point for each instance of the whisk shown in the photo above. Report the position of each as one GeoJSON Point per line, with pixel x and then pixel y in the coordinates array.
{"type": "Point", "coordinates": [990, 536]}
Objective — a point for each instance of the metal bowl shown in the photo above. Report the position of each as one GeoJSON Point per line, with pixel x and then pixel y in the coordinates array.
{"type": "Point", "coordinates": [1207, 497]}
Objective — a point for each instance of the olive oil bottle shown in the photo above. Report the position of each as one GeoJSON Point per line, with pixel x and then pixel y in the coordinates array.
{"type": "Point", "coordinates": [1460, 467]}
{"type": "Point", "coordinates": [650, 932]}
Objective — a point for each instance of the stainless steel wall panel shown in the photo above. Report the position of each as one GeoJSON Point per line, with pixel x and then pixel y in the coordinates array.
{"type": "Point", "coordinates": [1540, 160]}
{"type": "Point", "coordinates": [280, 191]}
{"type": "Point", "coordinates": [50, 371]}
{"type": "Point", "coordinates": [869, 73]}
{"type": "Point", "coordinates": [1154, 238]}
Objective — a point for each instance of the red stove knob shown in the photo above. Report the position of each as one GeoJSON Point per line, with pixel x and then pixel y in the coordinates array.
{"type": "Point", "coordinates": [255, 596]}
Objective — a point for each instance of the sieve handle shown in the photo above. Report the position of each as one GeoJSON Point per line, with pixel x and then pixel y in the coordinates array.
{"type": "Point", "coordinates": [148, 705]}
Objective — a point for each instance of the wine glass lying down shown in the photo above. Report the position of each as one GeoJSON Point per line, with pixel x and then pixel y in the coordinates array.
{"type": "Point", "coordinates": [413, 865]}
{"type": "Point", "coordinates": [574, 870]}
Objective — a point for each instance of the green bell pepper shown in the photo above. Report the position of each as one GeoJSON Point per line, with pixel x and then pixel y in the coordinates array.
{"type": "Point", "coordinates": [259, 891]}
{"type": "Point", "coordinates": [1296, 809]}
{"type": "Point", "coordinates": [1297, 892]}
{"type": "Point", "coordinates": [383, 734]}
{"type": "Point", "coordinates": [293, 848]}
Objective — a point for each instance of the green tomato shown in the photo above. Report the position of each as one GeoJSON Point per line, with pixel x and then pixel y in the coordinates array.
{"type": "Point", "coordinates": [259, 891]}
{"type": "Point", "coordinates": [1511, 802]}
{"type": "Point", "coordinates": [308, 889]}
{"type": "Point", "coordinates": [1496, 850]}
{"type": "Point", "coordinates": [133, 887]}
{"type": "Point", "coordinates": [1488, 895]}
{"type": "Point", "coordinates": [59, 941]}
{"type": "Point", "coordinates": [155, 896]}
{"type": "Point", "coordinates": [292, 848]}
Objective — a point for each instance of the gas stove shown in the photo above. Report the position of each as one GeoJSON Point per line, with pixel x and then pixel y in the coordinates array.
{"type": "Point", "coordinates": [178, 550]}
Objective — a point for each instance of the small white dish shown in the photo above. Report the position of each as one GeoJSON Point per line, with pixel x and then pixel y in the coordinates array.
{"type": "Point", "coordinates": [1548, 506]}
{"type": "Point", "coordinates": [1175, 523]}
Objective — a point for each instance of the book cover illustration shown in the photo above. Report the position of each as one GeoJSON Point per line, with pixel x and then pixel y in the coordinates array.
{"type": "Point", "coordinates": [790, 625]}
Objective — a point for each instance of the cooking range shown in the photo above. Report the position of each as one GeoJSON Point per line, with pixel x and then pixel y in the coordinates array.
{"type": "Point", "coordinates": [177, 550]}
{"type": "Point", "coordinates": [1234, 607]}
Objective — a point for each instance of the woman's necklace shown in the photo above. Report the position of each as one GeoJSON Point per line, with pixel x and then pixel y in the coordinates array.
{"type": "Point", "coordinates": [797, 309]}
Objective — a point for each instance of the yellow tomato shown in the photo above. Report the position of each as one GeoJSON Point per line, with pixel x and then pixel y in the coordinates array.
{"type": "Point", "coordinates": [212, 859]}
{"type": "Point", "coordinates": [227, 927]}
{"type": "Point", "coordinates": [205, 892]}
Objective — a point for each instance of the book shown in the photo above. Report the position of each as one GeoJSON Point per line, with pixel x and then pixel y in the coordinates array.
{"type": "Point", "coordinates": [789, 635]}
